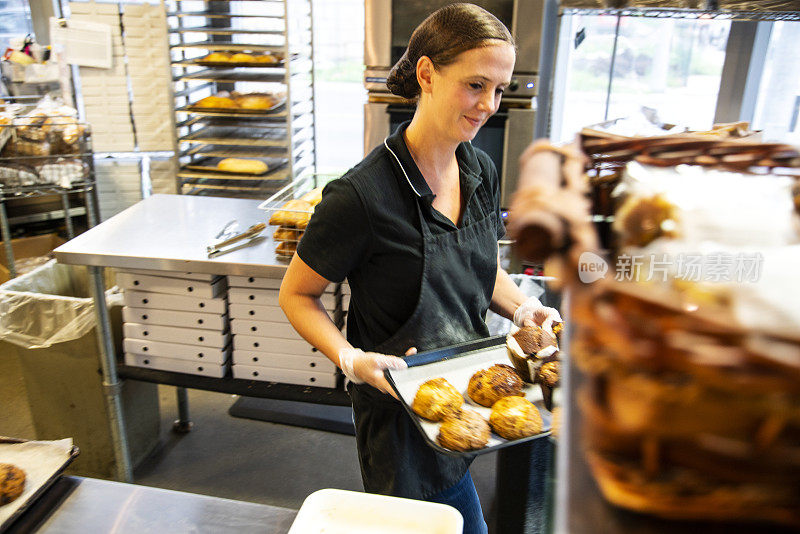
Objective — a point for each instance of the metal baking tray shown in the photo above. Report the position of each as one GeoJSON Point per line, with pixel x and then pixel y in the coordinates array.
{"type": "Point", "coordinates": [209, 164]}
{"type": "Point", "coordinates": [279, 101]}
{"type": "Point", "coordinates": [233, 75]}
{"type": "Point", "coordinates": [233, 135]}
{"type": "Point", "coordinates": [233, 152]}
{"type": "Point", "coordinates": [31, 499]}
{"type": "Point", "coordinates": [457, 364]}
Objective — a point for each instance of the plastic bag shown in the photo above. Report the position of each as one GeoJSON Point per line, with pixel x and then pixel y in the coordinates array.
{"type": "Point", "coordinates": [49, 305]}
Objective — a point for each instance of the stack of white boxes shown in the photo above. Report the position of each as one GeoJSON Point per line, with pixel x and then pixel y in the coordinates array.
{"type": "Point", "coordinates": [105, 91]}
{"type": "Point", "coordinates": [176, 322]}
{"type": "Point", "coordinates": [119, 185]}
{"type": "Point", "coordinates": [265, 346]}
{"type": "Point", "coordinates": [147, 48]}
{"type": "Point", "coordinates": [163, 174]}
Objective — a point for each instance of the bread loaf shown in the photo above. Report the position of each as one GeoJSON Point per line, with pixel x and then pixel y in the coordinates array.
{"type": "Point", "coordinates": [241, 57]}
{"type": "Point", "coordinates": [285, 234]}
{"type": "Point", "coordinates": [242, 166]}
{"type": "Point", "coordinates": [216, 102]}
{"type": "Point", "coordinates": [255, 101]}
{"type": "Point", "coordinates": [217, 57]}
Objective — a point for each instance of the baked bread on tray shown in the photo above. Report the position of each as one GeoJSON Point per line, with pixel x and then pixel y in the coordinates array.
{"type": "Point", "coordinates": [436, 399]}
{"type": "Point", "coordinates": [487, 386]}
{"type": "Point", "coordinates": [515, 418]}
{"type": "Point", "coordinates": [464, 431]}
{"type": "Point", "coordinates": [12, 483]}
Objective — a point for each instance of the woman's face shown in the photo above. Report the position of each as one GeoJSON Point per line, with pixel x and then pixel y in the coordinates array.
{"type": "Point", "coordinates": [465, 93]}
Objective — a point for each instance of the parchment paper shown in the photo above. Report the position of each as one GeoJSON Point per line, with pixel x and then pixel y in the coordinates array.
{"type": "Point", "coordinates": [40, 460]}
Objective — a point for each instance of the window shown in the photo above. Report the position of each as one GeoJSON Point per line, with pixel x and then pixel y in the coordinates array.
{"type": "Point", "coordinates": [778, 105]}
{"type": "Point", "coordinates": [15, 20]}
{"type": "Point", "coordinates": [673, 66]}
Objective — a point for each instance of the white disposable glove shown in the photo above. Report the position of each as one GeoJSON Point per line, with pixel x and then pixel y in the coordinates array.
{"type": "Point", "coordinates": [367, 367]}
{"type": "Point", "coordinates": [533, 312]}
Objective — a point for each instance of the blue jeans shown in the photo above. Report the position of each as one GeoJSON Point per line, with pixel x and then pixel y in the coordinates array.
{"type": "Point", "coordinates": [464, 498]}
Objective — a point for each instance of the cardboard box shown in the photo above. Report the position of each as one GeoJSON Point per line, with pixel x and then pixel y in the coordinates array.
{"type": "Point", "coordinates": [28, 247]}
{"type": "Point", "coordinates": [175, 318]}
{"type": "Point", "coordinates": [177, 351]}
{"type": "Point", "coordinates": [319, 364]}
{"type": "Point", "coordinates": [177, 366]}
{"type": "Point", "coordinates": [284, 376]}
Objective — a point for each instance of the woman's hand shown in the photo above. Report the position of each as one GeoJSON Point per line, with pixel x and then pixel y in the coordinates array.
{"type": "Point", "coordinates": [532, 312]}
{"type": "Point", "coordinates": [367, 367]}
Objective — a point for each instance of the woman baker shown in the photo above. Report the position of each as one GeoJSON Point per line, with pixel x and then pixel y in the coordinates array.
{"type": "Point", "coordinates": [414, 229]}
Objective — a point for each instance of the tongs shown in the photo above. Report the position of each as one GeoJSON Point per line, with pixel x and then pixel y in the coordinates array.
{"type": "Point", "coordinates": [226, 241]}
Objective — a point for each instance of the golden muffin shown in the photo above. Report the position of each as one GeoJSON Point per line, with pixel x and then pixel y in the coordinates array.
{"type": "Point", "coordinates": [436, 399]}
{"type": "Point", "coordinates": [515, 418]}
{"type": "Point", "coordinates": [12, 483]}
{"type": "Point", "coordinates": [465, 431]}
{"type": "Point", "coordinates": [549, 374]}
{"type": "Point", "coordinates": [487, 386]}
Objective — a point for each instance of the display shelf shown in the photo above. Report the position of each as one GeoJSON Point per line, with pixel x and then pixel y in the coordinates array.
{"type": "Point", "coordinates": [286, 131]}
{"type": "Point", "coordinates": [234, 75]}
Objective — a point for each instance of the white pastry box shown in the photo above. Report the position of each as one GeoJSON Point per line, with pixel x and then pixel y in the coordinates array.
{"type": "Point", "coordinates": [247, 327]}
{"type": "Point", "coordinates": [269, 297]}
{"type": "Point", "coordinates": [174, 334]}
{"type": "Point", "coordinates": [178, 351]}
{"type": "Point", "coordinates": [317, 363]}
{"type": "Point", "coordinates": [188, 319]}
{"type": "Point", "coordinates": [256, 313]}
{"type": "Point", "coordinates": [172, 286]}
{"type": "Point", "coordinates": [177, 366]}
{"type": "Point", "coordinates": [284, 376]}
{"type": "Point", "coordinates": [161, 301]}
{"type": "Point", "coordinates": [274, 345]}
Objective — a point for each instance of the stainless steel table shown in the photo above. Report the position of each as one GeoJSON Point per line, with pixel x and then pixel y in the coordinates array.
{"type": "Point", "coordinates": [170, 233]}
{"type": "Point", "coordinates": [75, 504]}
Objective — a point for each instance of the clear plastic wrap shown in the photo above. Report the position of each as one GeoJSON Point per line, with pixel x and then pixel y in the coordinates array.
{"type": "Point", "coordinates": [48, 305]}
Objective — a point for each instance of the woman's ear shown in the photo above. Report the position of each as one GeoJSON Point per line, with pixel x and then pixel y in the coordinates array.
{"type": "Point", "coordinates": [425, 73]}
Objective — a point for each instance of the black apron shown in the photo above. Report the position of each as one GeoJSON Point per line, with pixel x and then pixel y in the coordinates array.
{"type": "Point", "coordinates": [458, 275]}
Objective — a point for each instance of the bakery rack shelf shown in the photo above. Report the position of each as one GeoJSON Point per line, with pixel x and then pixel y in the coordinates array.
{"type": "Point", "coordinates": [45, 156]}
{"type": "Point", "coordinates": [281, 28]}
{"type": "Point", "coordinates": [211, 30]}
{"type": "Point", "coordinates": [216, 15]}
{"type": "Point", "coordinates": [756, 11]}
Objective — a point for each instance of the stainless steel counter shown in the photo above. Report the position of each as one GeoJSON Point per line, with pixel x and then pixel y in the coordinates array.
{"type": "Point", "coordinates": [76, 504]}
{"type": "Point", "coordinates": [170, 233]}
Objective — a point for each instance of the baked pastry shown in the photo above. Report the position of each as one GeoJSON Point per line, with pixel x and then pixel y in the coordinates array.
{"type": "Point", "coordinates": [285, 234]}
{"type": "Point", "coordinates": [215, 101]}
{"type": "Point", "coordinates": [555, 425]}
{"type": "Point", "coordinates": [254, 101]}
{"type": "Point", "coordinates": [549, 378]}
{"type": "Point", "coordinates": [515, 418]}
{"type": "Point", "coordinates": [241, 57]}
{"type": "Point", "coordinates": [464, 431]}
{"type": "Point", "coordinates": [487, 386]}
{"type": "Point", "coordinates": [12, 483]}
{"type": "Point", "coordinates": [63, 173]}
{"type": "Point", "coordinates": [217, 57]}
{"type": "Point", "coordinates": [265, 58]}
{"type": "Point", "coordinates": [437, 399]}
{"type": "Point", "coordinates": [528, 348]}
{"type": "Point", "coordinates": [292, 213]}
{"type": "Point", "coordinates": [242, 166]}
{"type": "Point", "coordinates": [14, 174]}
{"type": "Point", "coordinates": [286, 248]}
{"type": "Point", "coordinates": [313, 197]}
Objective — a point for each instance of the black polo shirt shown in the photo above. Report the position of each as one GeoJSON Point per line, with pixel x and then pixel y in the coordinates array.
{"type": "Point", "coordinates": [366, 229]}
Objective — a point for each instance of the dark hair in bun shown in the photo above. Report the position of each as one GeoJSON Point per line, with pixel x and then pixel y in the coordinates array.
{"type": "Point", "coordinates": [442, 36]}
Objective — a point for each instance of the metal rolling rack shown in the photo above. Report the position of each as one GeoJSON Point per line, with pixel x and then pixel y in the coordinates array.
{"type": "Point", "coordinates": [45, 182]}
{"type": "Point", "coordinates": [282, 137]}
